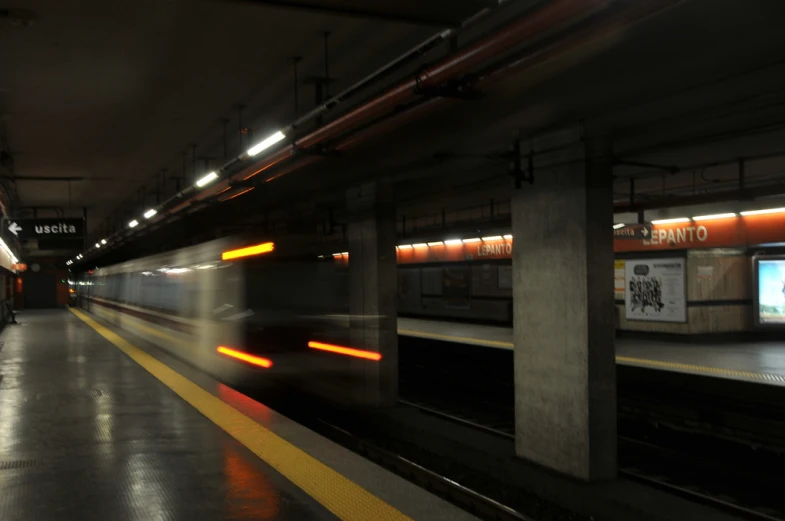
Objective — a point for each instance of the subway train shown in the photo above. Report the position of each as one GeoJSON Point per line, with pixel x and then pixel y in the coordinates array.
{"type": "Point", "coordinates": [248, 315]}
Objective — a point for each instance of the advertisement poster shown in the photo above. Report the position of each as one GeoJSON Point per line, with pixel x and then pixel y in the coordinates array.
{"type": "Point", "coordinates": [655, 290]}
{"type": "Point", "coordinates": [771, 291]}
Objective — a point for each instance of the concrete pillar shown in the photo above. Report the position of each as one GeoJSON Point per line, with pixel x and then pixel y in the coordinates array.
{"type": "Point", "coordinates": [373, 289]}
{"type": "Point", "coordinates": [565, 372]}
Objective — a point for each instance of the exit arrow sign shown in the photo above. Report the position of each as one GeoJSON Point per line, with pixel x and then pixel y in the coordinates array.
{"type": "Point", "coordinates": [632, 232]}
{"type": "Point", "coordinates": [14, 228]}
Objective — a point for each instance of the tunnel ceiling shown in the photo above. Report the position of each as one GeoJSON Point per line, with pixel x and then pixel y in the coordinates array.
{"type": "Point", "coordinates": [109, 96]}
{"type": "Point", "coordinates": [97, 97]}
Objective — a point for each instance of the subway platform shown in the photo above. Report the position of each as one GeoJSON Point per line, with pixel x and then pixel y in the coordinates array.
{"type": "Point", "coordinates": [97, 425]}
{"type": "Point", "coordinates": [761, 362]}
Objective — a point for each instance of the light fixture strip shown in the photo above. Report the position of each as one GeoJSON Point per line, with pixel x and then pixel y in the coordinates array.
{"type": "Point", "coordinates": [209, 178]}
{"type": "Point", "coordinates": [713, 216]}
{"type": "Point", "coordinates": [763, 212]}
{"type": "Point", "coordinates": [672, 221]}
{"type": "Point", "coordinates": [266, 143]}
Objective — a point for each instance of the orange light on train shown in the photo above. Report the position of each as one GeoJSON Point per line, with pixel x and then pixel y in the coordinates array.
{"type": "Point", "coordinates": [358, 353]}
{"type": "Point", "coordinates": [259, 249]}
{"type": "Point", "coordinates": [245, 357]}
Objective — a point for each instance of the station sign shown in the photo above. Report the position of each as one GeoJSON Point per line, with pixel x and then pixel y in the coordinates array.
{"type": "Point", "coordinates": [51, 228]}
{"type": "Point", "coordinates": [635, 232]}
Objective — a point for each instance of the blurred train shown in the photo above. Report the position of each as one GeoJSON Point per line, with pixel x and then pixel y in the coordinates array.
{"type": "Point", "coordinates": [245, 314]}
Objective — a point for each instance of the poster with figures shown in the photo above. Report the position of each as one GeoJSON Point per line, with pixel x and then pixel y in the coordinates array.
{"type": "Point", "coordinates": [655, 290]}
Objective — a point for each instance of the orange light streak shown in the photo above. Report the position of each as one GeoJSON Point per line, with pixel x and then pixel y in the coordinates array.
{"type": "Point", "coordinates": [266, 247]}
{"type": "Point", "coordinates": [358, 353]}
{"type": "Point", "coordinates": [265, 167]}
{"type": "Point", "coordinates": [245, 357]}
{"type": "Point", "coordinates": [238, 194]}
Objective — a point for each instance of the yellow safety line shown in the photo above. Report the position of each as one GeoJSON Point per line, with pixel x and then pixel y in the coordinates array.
{"type": "Point", "coordinates": [703, 369]}
{"type": "Point", "coordinates": [342, 497]}
{"type": "Point", "coordinates": [768, 377]}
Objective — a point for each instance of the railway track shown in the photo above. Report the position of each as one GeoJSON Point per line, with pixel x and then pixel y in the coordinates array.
{"type": "Point", "coordinates": [663, 474]}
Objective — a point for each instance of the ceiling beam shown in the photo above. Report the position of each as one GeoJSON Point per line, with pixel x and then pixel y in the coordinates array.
{"type": "Point", "coordinates": [406, 11]}
{"type": "Point", "coordinates": [53, 178]}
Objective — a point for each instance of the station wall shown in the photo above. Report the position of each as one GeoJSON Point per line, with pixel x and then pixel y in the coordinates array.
{"type": "Point", "coordinates": [718, 291]}
{"type": "Point", "coordinates": [471, 278]}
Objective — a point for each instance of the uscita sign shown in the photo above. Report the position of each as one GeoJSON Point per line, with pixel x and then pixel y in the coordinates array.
{"type": "Point", "coordinates": [60, 228]}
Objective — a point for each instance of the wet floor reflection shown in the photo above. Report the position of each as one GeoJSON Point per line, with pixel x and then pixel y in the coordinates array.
{"type": "Point", "coordinates": [249, 493]}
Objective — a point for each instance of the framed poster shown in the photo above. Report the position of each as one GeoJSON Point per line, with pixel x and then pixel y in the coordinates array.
{"type": "Point", "coordinates": [769, 288]}
{"type": "Point", "coordinates": [655, 290]}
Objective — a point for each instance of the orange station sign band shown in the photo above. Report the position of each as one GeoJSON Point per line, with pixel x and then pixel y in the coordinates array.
{"type": "Point", "coordinates": [726, 232]}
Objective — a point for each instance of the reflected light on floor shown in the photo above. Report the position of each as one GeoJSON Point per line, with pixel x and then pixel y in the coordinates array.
{"type": "Point", "coordinates": [249, 493]}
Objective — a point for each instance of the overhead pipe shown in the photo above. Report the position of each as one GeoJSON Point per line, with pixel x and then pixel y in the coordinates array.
{"type": "Point", "coordinates": [616, 21]}
{"type": "Point", "coordinates": [413, 53]}
{"type": "Point", "coordinates": [527, 28]}
{"type": "Point", "coordinates": [531, 26]}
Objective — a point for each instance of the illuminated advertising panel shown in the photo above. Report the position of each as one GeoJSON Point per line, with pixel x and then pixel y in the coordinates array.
{"type": "Point", "coordinates": [770, 290]}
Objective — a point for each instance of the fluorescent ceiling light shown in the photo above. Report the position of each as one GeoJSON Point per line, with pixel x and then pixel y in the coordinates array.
{"type": "Point", "coordinates": [714, 216]}
{"type": "Point", "coordinates": [345, 253]}
{"type": "Point", "coordinates": [674, 220]}
{"type": "Point", "coordinates": [404, 246]}
{"type": "Point", "coordinates": [209, 178]}
{"type": "Point", "coordinates": [475, 239]}
{"type": "Point", "coordinates": [267, 143]}
{"type": "Point", "coordinates": [133, 223]}
{"type": "Point", "coordinates": [507, 236]}
{"type": "Point", "coordinates": [420, 245]}
{"type": "Point", "coordinates": [617, 226]}
{"type": "Point", "coordinates": [437, 243]}
{"type": "Point", "coordinates": [178, 270]}
{"type": "Point", "coordinates": [761, 212]}
{"type": "Point", "coordinates": [149, 213]}
{"type": "Point", "coordinates": [5, 248]}
{"type": "Point", "coordinates": [337, 254]}
{"type": "Point", "coordinates": [494, 238]}
{"type": "Point", "coordinates": [453, 241]}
